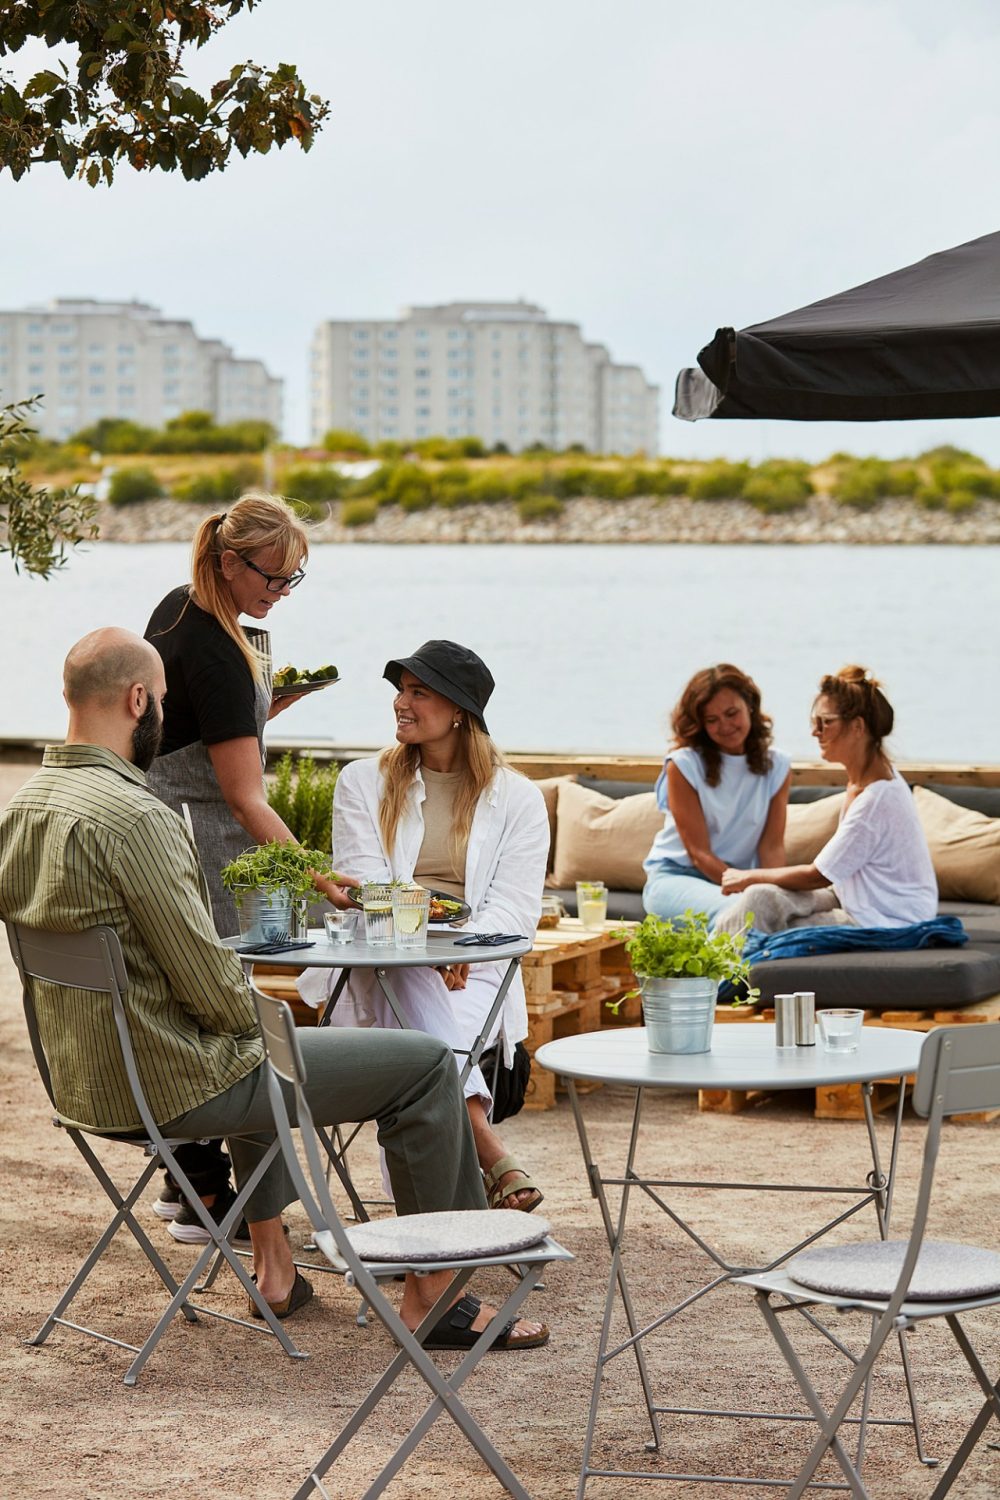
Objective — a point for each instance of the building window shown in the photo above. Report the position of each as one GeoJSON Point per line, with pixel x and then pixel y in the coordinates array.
{"type": "Point", "coordinates": [389, 390]}
{"type": "Point", "coordinates": [390, 371]}
{"type": "Point", "coordinates": [127, 350]}
{"type": "Point", "coordinates": [126, 392]}
{"type": "Point", "coordinates": [36, 372]}
{"type": "Point", "coordinates": [422, 391]}
{"type": "Point", "coordinates": [96, 368]}
{"type": "Point", "coordinates": [390, 411]}
{"type": "Point", "coordinates": [359, 393]}
{"type": "Point", "coordinates": [454, 333]}
{"type": "Point", "coordinates": [67, 368]}
{"type": "Point", "coordinates": [36, 349]}
{"type": "Point", "coordinates": [390, 333]}
{"type": "Point", "coordinates": [423, 411]}
{"type": "Point", "coordinates": [359, 411]}
{"type": "Point", "coordinates": [96, 390]}
{"type": "Point", "coordinates": [359, 333]}
{"type": "Point", "coordinates": [423, 373]}
{"type": "Point", "coordinates": [36, 327]}
{"type": "Point", "coordinates": [360, 372]}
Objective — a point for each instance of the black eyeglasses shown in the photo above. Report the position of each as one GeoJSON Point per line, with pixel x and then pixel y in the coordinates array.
{"type": "Point", "coordinates": [276, 582]}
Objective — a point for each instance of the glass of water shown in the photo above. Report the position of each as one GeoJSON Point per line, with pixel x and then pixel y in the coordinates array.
{"type": "Point", "coordinates": [376, 901]}
{"type": "Point", "coordinates": [410, 910]}
{"type": "Point", "coordinates": [340, 926]}
{"type": "Point", "coordinates": [840, 1029]}
{"type": "Point", "coordinates": [592, 902]}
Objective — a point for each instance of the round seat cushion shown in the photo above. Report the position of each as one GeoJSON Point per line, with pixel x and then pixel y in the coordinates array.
{"type": "Point", "coordinates": [944, 1272]}
{"type": "Point", "coordinates": [452, 1235]}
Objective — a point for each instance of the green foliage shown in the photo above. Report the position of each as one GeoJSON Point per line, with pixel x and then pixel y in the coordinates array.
{"type": "Point", "coordinates": [218, 486]}
{"type": "Point", "coordinates": [388, 448]}
{"type": "Point", "coordinates": [929, 496]}
{"type": "Point", "coordinates": [340, 440]}
{"type": "Point", "coordinates": [191, 432]}
{"type": "Point", "coordinates": [902, 480]}
{"type": "Point", "coordinates": [718, 481]}
{"type": "Point", "coordinates": [128, 486]}
{"type": "Point", "coordinates": [277, 867]}
{"type": "Point", "coordinates": [359, 512]}
{"type": "Point", "coordinates": [115, 435]}
{"type": "Point", "coordinates": [947, 454]}
{"type": "Point", "coordinates": [123, 95]}
{"type": "Point", "coordinates": [313, 482]}
{"type": "Point", "coordinates": [664, 480]}
{"type": "Point", "coordinates": [863, 483]}
{"type": "Point", "coordinates": [410, 486]}
{"type": "Point", "coordinates": [685, 949]}
{"type": "Point", "coordinates": [539, 507]}
{"type": "Point", "coordinates": [778, 486]}
{"type": "Point", "coordinates": [961, 500]}
{"type": "Point", "coordinates": [302, 796]}
{"type": "Point", "coordinates": [37, 526]}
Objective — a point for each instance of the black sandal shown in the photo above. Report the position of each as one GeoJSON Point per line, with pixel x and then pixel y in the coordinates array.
{"type": "Point", "coordinates": [453, 1330]}
{"type": "Point", "coordinates": [299, 1295]}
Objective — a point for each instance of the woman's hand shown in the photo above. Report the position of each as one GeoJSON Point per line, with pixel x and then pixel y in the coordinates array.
{"type": "Point", "coordinates": [455, 976]}
{"type": "Point", "coordinates": [278, 705]}
{"type": "Point", "coordinates": [335, 891]}
{"type": "Point", "coordinates": [734, 881]}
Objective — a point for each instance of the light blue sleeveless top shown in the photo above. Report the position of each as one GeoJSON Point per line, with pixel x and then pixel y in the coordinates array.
{"type": "Point", "coordinates": [735, 811]}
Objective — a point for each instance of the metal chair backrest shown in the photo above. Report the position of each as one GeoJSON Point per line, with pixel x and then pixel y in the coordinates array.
{"type": "Point", "coordinates": [89, 960]}
{"type": "Point", "coordinates": [959, 1071]}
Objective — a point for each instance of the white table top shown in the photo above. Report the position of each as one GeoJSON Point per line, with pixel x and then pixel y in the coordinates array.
{"type": "Point", "coordinates": [440, 950]}
{"type": "Point", "coordinates": [742, 1057]}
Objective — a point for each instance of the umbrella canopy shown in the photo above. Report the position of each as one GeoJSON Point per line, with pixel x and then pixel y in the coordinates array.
{"type": "Point", "coordinates": [921, 342]}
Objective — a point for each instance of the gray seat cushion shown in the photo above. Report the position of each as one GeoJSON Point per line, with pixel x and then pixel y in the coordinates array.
{"type": "Point", "coordinates": [944, 1272]}
{"type": "Point", "coordinates": [461, 1235]}
{"type": "Point", "coordinates": [920, 979]}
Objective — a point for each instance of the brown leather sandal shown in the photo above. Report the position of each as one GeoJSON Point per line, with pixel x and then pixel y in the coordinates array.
{"type": "Point", "coordinates": [497, 1192]}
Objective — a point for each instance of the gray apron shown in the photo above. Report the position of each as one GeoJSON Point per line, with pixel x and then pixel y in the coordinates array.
{"type": "Point", "coordinates": [186, 779]}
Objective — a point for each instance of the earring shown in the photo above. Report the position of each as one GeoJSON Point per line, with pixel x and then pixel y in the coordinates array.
{"type": "Point", "coordinates": [456, 724]}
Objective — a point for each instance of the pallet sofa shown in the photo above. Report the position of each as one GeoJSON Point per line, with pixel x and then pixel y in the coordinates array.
{"type": "Point", "coordinates": [602, 830]}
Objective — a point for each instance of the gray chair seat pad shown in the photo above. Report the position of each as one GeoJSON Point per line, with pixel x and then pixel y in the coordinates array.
{"type": "Point", "coordinates": [919, 979]}
{"type": "Point", "coordinates": [944, 1271]}
{"type": "Point", "coordinates": [455, 1235]}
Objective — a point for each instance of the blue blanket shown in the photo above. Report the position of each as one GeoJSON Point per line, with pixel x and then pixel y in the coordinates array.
{"type": "Point", "coordinates": [806, 942]}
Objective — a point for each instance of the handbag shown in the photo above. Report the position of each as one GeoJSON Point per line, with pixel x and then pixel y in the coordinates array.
{"type": "Point", "coordinates": [507, 1085]}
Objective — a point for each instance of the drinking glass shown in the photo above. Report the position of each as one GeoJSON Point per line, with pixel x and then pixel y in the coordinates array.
{"type": "Point", "coordinates": [340, 926]}
{"type": "Point", "coordinates": [376, 900]}
{"type": "Point", "coordinates": [410, 910]}
{"type": "Point", "coordinates": [592, 903]}
{"type": "Point", "coordinates": [840, 1029]}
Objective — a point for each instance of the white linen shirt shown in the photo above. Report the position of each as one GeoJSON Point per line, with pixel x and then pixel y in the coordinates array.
{"type": "Point", "coordinates": [505, 868]}
{"type": "Point", "coordinates": [878, 860]}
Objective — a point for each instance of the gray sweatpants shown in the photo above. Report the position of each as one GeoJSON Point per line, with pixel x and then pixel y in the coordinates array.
{"type": "Point", "coordinates": [404, 1080]}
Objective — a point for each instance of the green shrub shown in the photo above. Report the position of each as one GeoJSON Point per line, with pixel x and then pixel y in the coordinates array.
{"type": "Point", "coordinates": [776, 495]}
{"type": "Point", "coordinates": [128, 486]}
{"type": "Point", "coordinates": [572, 480]}
{"type": "Point", "coordinates": [959, 500]}
{"type": "Point", "coordinates": [666, 481]}
{"type": "Point", "coordinates": [340, 440]}
{"type": "Point", "coordinates": [389, 449]}
{"type": "Point", "coordinates": [375, 483]}
{"type": "Point", "coordinates": [864, 483]}
{"type": "Point", "coordinates": [313, 482]}
{"type": "Point", "coordinates": [929, 496]}
{"type": "Point", "coordinates": [977, 481]}
{"type": "Point", "coordinates": [537, 507]}
{"type": "Point", "coordinates": [302, 796]}
{"type": "Point", "coordinates": [902, 480]}
{"type": "Point", "coordinates": [358, 512]}
{"type": "Point", "coordinates": [718, 481]}
{"type": "Point", "coordinates": [948, 454]}
{"type": "Point", "coordinates": [408, 485]}
{"type": "Point", "coordinates": [115, 435]}
{"type": "Point", "coordinates": [487, 487]}
{"type": "Point", "coordinates": [213, 486]}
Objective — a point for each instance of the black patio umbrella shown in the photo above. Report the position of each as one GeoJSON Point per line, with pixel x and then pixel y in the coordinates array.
{"type": "Point", "coordinates": [921, 342]}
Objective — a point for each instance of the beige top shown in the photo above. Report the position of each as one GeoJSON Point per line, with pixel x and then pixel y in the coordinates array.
{"type": "Point", "coordinates": [439, 866]}
{"type": "Point", "coordinates": [83, 842]}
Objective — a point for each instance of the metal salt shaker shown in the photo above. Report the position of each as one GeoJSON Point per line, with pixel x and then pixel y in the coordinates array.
{"type": "Point", "coordinates": [805, 1018]}
{"type": "Point", "coordinates": [784, 1020]}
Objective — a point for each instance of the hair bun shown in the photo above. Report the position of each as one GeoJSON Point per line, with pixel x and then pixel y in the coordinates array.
{"type": "Point", "coordinates": [860, 675]}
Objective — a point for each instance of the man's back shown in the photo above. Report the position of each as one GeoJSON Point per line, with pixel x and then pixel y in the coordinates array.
{"type": "Point", "coordinates": [82, 844]}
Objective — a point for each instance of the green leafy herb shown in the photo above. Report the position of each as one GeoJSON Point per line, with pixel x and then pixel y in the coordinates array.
{"type": "Point", "coordinates": [685, 949]}
{"type": "Point", "coordinates": [277, 867]}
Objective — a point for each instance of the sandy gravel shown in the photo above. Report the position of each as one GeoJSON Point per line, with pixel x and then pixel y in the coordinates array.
{"type": "Point", "coordinates": [221, 1413]}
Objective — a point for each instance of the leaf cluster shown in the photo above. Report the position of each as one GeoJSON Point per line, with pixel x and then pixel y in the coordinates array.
{"type": "Point", "coordinates": [684, 948]}
{"type": "Point", "coordinates": [191, 432]}
{"type": "Point", "coordinates": [277, 867]}
{"type": "Point", "coordinates": [126, 98]}
{"type": "Point", "coordinates": [37, 526]}
{"type": "Point", "coordinates": [302, 796]}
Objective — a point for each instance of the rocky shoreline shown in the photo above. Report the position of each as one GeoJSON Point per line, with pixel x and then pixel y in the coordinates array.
{"type": "Point", "coordinates": [670, 520]}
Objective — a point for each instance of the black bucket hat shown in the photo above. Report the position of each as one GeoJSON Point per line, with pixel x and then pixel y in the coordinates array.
{"type": "Point", "coordinates": [451, 670]}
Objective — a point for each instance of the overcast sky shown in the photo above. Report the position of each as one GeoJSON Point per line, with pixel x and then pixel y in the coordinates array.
{"type": "Point", "coordinates": [649, 169]}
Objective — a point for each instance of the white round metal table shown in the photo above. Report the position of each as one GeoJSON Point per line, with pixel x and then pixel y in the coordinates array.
{"type": "Point", "coordinates": [742, 1056]}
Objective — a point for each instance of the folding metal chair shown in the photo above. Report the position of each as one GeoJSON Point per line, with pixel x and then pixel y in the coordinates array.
{"type": "Point", "coordinates": [93, 961]}
{"type": "Point", "coordinates": [366, 1254]}
{"type": "Point", "coordinates": [898, 1283]}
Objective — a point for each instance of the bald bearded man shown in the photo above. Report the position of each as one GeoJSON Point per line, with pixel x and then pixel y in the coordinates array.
{"type": "Point", "coordinates": [85, 843]}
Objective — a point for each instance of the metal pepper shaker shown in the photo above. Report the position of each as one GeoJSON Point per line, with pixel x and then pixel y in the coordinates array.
{"type": "Point", "coordinates": [784, 1020]}
{"type": "Point", "coordinates": [805, 1018]}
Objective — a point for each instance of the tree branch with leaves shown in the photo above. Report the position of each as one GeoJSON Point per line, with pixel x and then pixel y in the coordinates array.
{"type": "Point", "coordinates": [36, 525]}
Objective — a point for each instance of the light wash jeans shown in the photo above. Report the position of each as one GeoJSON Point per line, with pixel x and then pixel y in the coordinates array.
{"type": "Point", "coordinates": [667, 894]}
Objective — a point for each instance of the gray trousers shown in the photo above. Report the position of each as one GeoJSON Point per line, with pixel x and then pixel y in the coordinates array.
{"type": "Point", "coordinates": [404, 1080]}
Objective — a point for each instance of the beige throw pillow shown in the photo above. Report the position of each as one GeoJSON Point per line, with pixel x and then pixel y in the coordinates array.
{"type": "Point", "coordinates": [964, 845]}
{"type": "Point", "coordinates": [549, 788]}
{"type": "Point", "coordinates": [599, 838]}
{"type": "Point", "coordinates": [809, 826]}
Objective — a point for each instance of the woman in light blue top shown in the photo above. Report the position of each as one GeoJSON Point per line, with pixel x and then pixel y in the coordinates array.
{"type": "Point", "coordinates": [724, 790]}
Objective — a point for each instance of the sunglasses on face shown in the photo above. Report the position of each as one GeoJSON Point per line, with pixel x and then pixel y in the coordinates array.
{"type": "Point", "coordinates": [821, 722]}
{"type": "Point", "coordinates": [276, 582]}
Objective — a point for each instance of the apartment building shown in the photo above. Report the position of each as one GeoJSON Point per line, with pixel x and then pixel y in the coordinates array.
{"type": "Point", "coordinates": [94, 359]}
{"type": "Point", "coordinates": [500, 371]}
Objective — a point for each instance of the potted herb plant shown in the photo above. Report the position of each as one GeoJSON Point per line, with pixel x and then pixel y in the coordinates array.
{"type": "Point", "coordinates": [270, 883]}
{"type": "Point", "coordinates": [679, 965]}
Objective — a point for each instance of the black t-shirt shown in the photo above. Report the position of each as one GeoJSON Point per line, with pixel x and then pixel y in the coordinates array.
{"type": "Point", "coordinates": [210, 688]}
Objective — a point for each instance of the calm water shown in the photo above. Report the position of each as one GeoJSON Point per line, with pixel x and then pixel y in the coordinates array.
{"type": "Point", "coordinates": [589, 645]}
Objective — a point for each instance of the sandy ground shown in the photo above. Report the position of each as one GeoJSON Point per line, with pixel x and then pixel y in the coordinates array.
{"type": "Point", "coordinates": [221, 1413]}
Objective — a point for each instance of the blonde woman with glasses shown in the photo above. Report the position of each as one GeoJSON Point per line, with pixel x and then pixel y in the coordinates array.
{"type": "Point", "coordinates": [876, 870]}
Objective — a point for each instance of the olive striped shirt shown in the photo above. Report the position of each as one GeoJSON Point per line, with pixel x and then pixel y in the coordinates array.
{"type": "Point", "coordinates": [84, 843]}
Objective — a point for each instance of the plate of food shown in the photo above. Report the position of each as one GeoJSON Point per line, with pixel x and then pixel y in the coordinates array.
{"type": "Point", "coordinates": [288, 682]}
{"type": "Point", "coordinates": [444, 909]}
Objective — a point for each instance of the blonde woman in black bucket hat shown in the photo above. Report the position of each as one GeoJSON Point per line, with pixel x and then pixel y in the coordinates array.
{"type": "Point", "coordinates": [442, 807]}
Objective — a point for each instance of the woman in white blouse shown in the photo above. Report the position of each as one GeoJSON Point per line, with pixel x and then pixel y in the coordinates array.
{"type": "Point", "coordinates": [441, 807]}
{"type": "Point", "coordinates": [877, 862]}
